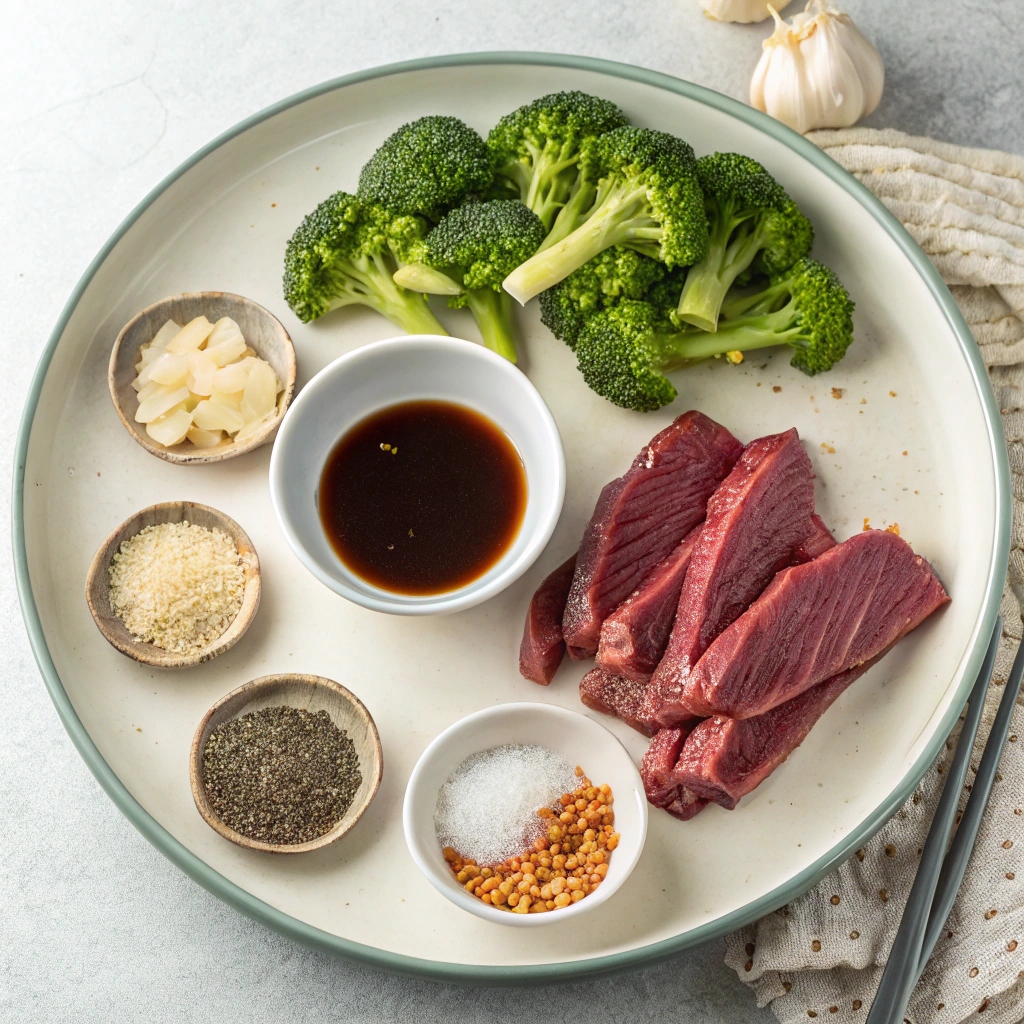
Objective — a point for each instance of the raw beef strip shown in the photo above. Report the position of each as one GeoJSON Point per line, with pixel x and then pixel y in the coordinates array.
{"type": "Point", "coordinates": [618, 697]}
{"type": "Point", "coordinates": [813, 622]}
{"type": "Point", "coordinates": [723, 759]}
{"type": "Point", "coordinates": [756, 518]}
{"type": "Point", "coordinates": [543, 648]}
{"type": "Point", "coordinates": [657, 771]}
{"type": "Point", "coordinates": [817, 542]}
{"type": "Point", "coordinates": [641, 517]}
{"type": "Point", "coordinates": [634, 636]}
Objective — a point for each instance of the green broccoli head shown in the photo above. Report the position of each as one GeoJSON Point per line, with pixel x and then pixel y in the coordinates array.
{"type": "Point", "coordinates": [638, 188]}
{"type": "Point", "coordinates": [754, 228]}
{"type": "Point", "coordinates": [822, 327]}
{"type": "Point", "coordinates": [535, 149]}
{"type": "Point", "coordinates": [337, 229]}
{"type": "Point", "coordinates": [738, 185]}
{"type": "Point", "coordinates": [480, 244]}
{"type": "Point", "coordinates": [787, 236]}
{"type": "Point", "coordinates": [606, 280]}
{"type": "Point", "coordinates": [426, 167]}
{"type": "Point", "coordinates": [620, 357]}
{"type": "Point", "coordinates": [344, 253]}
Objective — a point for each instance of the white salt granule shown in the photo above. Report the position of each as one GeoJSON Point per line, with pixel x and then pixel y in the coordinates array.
{"type": "Point", "coordinates": [487, 810]}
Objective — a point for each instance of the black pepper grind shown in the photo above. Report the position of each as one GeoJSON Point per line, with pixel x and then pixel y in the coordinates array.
{"type": "Point", "coordinates": [281, 774]}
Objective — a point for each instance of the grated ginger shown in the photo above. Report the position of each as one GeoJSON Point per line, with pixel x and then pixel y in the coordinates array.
{"type": "Point", "coordinates": [177, 585]}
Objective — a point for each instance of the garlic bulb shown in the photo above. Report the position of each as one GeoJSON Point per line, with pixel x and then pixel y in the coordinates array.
{"type": "Point", "coordinates": [818, 72]}
{"type": "Point", "coordinates": [743, 11]}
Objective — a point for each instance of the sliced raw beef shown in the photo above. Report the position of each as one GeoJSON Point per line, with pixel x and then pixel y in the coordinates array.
{"type": "Point", "coordinates": [723, 759]}
{"type": "Point", "coordinates": [657, 770]}
{"type": "Point", "coordinates": [755, 520]}
{"type": "Point", "coordinates": [641, 517]}
{"type": "Point", "coordinates": [634, 636]}
{"type": "Point", "coordinates": [619, 697]}
{"type": "Point", "coordinates": [817, 542]}
{"type": "Point", "coordinates": [813, 622]}
{"type": "Point", "coordinates": [543, 648]}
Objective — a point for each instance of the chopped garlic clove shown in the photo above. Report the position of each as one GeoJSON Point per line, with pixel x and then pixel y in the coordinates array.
{"type": "Point", "coordinates": [171, 428]}
{"type": "Point", "coordinates": [260, 395]}
{"type": "Point", "coordinates": [191, 336]}
{"type": "Point", "coordinates": [149, 390]}
{"type": "Point", "coordinates": [232, 399]}
{"type": "Point", "coordinates": [212, 415]}
{"type": "Point", "coordinates": [233, 377]}
{"type": "Point", "coordinates": [205, 438]}
{"type": "Point", "coordinates": [201, 372]}
{"type": "Point", "coordinates": [169, 369]}
{"type": "Point", "coordinates": [149, 351]}
{"type": "Point", "coordinates": [225, 329]}
{"type": "Point", "coordinates": [227, 351]}
{"type": "Point", "coordinates": [255, 426]}
{"type": "Point", "coordinates": [163, 401]}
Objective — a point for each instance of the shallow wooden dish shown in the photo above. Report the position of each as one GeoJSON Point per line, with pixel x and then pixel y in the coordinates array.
{"type": "Point", "coordinates": [97, 585]}
{"type": "Point", "coordinates": [262, 330]}
{"type": "Point", "coordinates": [314, 693]}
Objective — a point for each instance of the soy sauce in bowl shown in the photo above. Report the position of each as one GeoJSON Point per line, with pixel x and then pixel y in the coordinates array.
{"type": "Point", "coordinates": [422, 497]}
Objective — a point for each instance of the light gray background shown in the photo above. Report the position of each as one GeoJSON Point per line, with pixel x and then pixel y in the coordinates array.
{"type": "Point", "coordinates": [98, 101]}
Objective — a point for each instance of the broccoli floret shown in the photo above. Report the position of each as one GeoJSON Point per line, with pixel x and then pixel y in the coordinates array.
{"type": "Point", "coordinates": [625, 352]}
{"type": "Point", "coordinates": [753, 224]}
{"type": "Point", "coordinates": [640, 190]}
{"type": "Point", "coordinates": [469, 254]}
{"type": "Point", "coordinates": [806, 308]}
{"type": "Point", "coordinates": [609, 278]}
{"type": "Point", "coordinates": [535, 150]}
{"type": "Point", "coordinates": [345, 253]}
{"type": "Point", "coordinates": [426, 167]}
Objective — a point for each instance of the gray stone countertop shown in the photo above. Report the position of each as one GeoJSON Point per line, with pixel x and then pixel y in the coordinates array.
{"type": "Point", "coordinates": [98, 101]}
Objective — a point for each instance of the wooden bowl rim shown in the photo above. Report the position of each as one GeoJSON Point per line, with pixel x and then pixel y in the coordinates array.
{"type": "Point", "coordinates": [268, 682]}
{"type": "Point", "coordinates": [147, 653]}
{"type": "Point", "coordinates": [233, 450]}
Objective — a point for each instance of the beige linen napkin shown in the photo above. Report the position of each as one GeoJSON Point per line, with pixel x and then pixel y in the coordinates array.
{"type": "Point", "coordinates": [822, 955]}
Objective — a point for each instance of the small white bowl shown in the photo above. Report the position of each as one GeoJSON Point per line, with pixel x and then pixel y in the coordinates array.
{"type": "Point", "coordinates": [401, 370]}
{"type": "Point", "coordinates": [582, 740]}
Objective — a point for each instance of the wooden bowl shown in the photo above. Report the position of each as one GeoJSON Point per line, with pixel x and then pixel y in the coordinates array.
{"type": "Point", "coordinates": [261, 329]}
{"type": "Point", "coordinates": [97, 584]}
{"type": "Point", "coordinates": [314, 693]}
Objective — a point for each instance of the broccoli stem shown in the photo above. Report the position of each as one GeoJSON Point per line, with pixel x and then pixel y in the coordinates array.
{"type": "Point", "coordinates": [409, 310]}
{"type": "Point", "coordinates": [493, 314]}
{"type": "Point", "coordinates": [412, 313]}
{"type": "Point", "coordinates": [619, 217]}
{"type": "Point", "coordinates": [549, 186]}
{"type": "Point", "coordinates": [743, 335]}
{"type": "Point", "coordinates": [571, 212]}
{"type": "Point", "coordinates": [708, 282]}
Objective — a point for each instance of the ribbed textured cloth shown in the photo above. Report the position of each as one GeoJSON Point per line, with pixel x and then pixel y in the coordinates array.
{"type": "Point", "coordinates": [822, 955]}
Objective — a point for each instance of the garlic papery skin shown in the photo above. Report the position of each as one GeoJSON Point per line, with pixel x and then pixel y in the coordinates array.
{"type": "Point", "coordinates": [818, 72]}
{"type": "Point", "coordinates": [742, 11]}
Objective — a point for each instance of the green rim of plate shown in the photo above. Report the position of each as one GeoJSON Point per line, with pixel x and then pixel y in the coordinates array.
{"type": "Point", "coordinates": [538, 973]}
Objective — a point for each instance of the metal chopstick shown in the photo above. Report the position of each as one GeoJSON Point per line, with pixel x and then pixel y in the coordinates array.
{"type": "Point", "coordinates": [955, 864]}
{"type": "Point", "coordinates": [902, 969]}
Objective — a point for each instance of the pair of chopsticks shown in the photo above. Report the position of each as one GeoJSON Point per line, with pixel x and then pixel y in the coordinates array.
{"type": "Point", "coordinates": [941, 871]}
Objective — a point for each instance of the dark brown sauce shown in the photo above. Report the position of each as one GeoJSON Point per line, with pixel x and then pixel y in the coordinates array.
{"type": "Point", "coordinates": [422, 497]}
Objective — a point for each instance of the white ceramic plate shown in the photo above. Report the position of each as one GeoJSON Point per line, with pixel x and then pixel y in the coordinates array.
{"type": "Point", "coordinates": [912, 437]}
